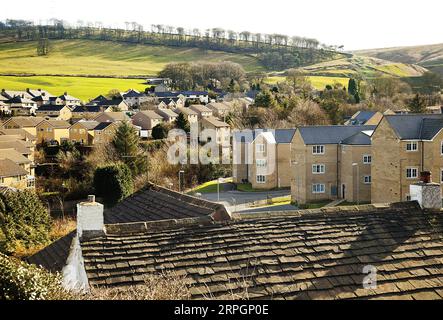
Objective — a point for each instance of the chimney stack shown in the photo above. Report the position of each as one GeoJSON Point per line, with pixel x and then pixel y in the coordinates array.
{"type": "Point", "coordinates": [426, 193]}
{"type": "Point", "coordinates": [90, 220]}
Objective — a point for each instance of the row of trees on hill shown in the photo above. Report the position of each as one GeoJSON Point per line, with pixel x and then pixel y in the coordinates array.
{"type": "Point", "coordinates": [275, 51]}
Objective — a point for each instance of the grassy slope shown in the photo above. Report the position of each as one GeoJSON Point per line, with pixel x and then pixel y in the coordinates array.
{"type": "Point", "coordinates": [83, 57]}
{"type": "Point", "coordinates": [82, 88]}
{"type": "Point", "coordinates": [430, 56]}
{"type": "Point", "coordinates": [318, 82]}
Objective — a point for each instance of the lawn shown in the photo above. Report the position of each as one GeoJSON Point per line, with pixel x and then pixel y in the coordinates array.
{"type": "Point", "coordinates": [93, 57]}
{"type": "Point", "coordinates": [210, 186]}
{"type": "Point", "coordinates": [80, 87]}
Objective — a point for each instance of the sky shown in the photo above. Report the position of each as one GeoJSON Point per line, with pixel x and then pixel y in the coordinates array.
{"type": "Point", "coordinates": [356, 24]}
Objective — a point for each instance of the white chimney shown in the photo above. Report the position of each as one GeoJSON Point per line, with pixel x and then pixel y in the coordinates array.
{"type": "Point", "coordinates": [426, 193]}
{"type": "Point", "coordinates": [90, 220]}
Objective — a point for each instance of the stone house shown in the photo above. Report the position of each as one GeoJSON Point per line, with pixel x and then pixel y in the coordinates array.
{"type": "Point", "coordinates": [52, 130]}
{"type": "Point", "coordinates": [29, 124]}
{"type": "Point", "coordinates": [56, 112]}
{"type": "Point", "coordinates": [216, 130]}
{"type": "Point", "coordinates": [147, 120]}
{"type": "Point", "coordinates": [13, 175]}
{"type": "Point", "coordinates": [202, 111]}
{"type": "Point", "coordinates": [190, 114]}
{"type": "Point", "coordinates": [402, 147]}
{"type": "Point", "coordinates": [112, 117]}
{"type": "Point", "coordinates": [83, 132]}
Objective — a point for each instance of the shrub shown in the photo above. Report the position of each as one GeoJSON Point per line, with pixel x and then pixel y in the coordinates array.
{"type": "Point", "coordinates": [22, 281]}
{"type": "Point", "coordinates": [24, 220]}
{"type": "Point", "coordinates": [160, 131]}
{"type": "Point", "coordinates": [113, 183]}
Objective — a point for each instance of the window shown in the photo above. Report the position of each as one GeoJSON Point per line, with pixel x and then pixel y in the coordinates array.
{"type": "Point", "coordinates": [441, 148]}
{"type": "Point", "coordinates": [261, 179]}
{"type": "Point", "coordinates": [2, 180]}
{"type": "Point", "coordinates": [367, 179]}
{"type": "Point", "coordinates": [411, 146]}
{"type": "Point", "coordinates": [260, 148]}
{"type": "Point", "coordinates": [318, 188]}
{"type": "Point", "coordinates": [411, 173]}
{"type": "Point", "coordinates": [367, 159]}
{"type": "Point", "coordinates": [441, 175]}
{"type": "Point", "coordinates": [261, 163]}
{"type": "Point", "coordinates": [31, 182]}
{"type": "Point", "coordinates": [318, 149]}
{"type": "Point", "coordinates": [318, 168]}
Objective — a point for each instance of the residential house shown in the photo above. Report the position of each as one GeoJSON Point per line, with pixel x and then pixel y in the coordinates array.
{"type": "Point", "coordinates": [202, 111]}
{"type": "Point", "coordinates": [134, 98]}
{"type": "Point", "coordinates": [402, 147]}
{"type": "Point", "coordinates": [104, 132]}
{"type": "Point", "coordinates": [147, 120]}
{"type": "Point", "coordinates": [190, 114]}
{"type": "Point", "coordinates": [39, 96]}
{"type": "Point", "coordinates": [168, 115]}
{"type": "Point", "coordinates": [19, 105]}
{"type": "Point", "coordinates": [4, 108]}
{"type": "Point", "coordinates": [295, 255]}
{"type": "Point", "coordinates": [220, 109]}
{"type": "Point", "coordinates": [215, 130]}
{"type": "Point", "coordinates": [83, 132]}
{"type": "Point", "coordinates": [263, 158]}
{"type": "Point", "coordinates": [18, 133]}
{"type": "Point", "coordinates": [29, 124]}
{"type": "Point", "coordinates": [52, 130]}
{"type": "Point", "coordinates": [11, 94]}
{"type": "Point", "coordinates": [19, 159]}
{"type": "Point", "coordinates": [111, 116]}
{"type": "Point", "coordinates": [56, 112]}
{"type": "Point", "coordinates": [201, 96]}
{"type": "Point", "coordinates": [20, 146]}
{"type": "Point", "coordinates": [12, 175]}
{"type": "Point", "coordinates": [317, 165]}
{"type": "Point", "coordinates": [87, 111]}
{"type": "Point", "coordinates": [65, 99]}
{"type": "Point", "coordinates": [369, 118]}
{"type": "Point", "coordinates": [106, 105]}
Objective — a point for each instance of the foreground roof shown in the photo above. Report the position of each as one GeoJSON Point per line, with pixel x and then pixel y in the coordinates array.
{"type": "Point", "coordinates": [157, 203]}
{"type": "Point", "coordinates": [311, 254]}
{"type": "Point", "coordinates": [9, 168]}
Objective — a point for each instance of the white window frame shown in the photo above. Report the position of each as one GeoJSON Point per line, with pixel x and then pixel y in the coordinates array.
{"type": "Point", "coordinates": [367, 179]}
{"type": "Point", "coordinates": [258, 180]}
{"type": "Point", "coordinates": [367, 157]}
{"type": "Point", "coordinates": [318, 166]}
{"type": "Point", "coordinates": [412, 143]}
{"type": "Point", "coordinates": [411, 170]}
{"type": "Point", "coordinates": [261, 163]}
{"type": "Point", "coordinates": [260, 147]}
{"type": "Point", "coordinates": [316, 147]}
{"type": "Point", "coordinates": [317, 190]}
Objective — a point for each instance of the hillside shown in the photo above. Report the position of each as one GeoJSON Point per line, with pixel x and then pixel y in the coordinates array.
{"type": "Point", "coordinates": [87, 57]}
{"type": "Point", "coordinates": [428, 56]}
{"type": "Point", "coordinates": [365, 66]}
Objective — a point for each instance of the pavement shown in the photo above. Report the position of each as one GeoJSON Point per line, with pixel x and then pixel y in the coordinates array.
{"type": "Point", "coordinates": [281, 207]}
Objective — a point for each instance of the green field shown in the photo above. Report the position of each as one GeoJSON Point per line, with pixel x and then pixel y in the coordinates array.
{"type": "Point", "coordinates": [318, 82]}
{"type": "Point", "coordinates": [80, 87]}
{"type": "Point", "coordinates": [87, 57]}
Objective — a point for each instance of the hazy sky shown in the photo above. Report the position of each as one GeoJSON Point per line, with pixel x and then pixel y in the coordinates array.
{"type": "Point", "coordinates": [356, 24]}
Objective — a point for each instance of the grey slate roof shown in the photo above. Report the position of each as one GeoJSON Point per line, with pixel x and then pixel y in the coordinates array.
{"type": "Point", "coordinates": [357, 139]}
{"type": "Point", "coordinates": [362, 117]}
{"type": "Point", "coordinates": [280, 135]}
{"type": "Point", "coordinates": [54, 256]}
{"type": "Point", "coordinates": [157, 203]}
{"type": "Point", "coordinates": [330, 134]}
{"type": "Point", "coordinates": [412, 127]}
{"type": "Point", "coordinates": [50, 107]}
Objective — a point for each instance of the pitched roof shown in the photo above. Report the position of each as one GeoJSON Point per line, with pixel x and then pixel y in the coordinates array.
{"type": "Point", "coordinates": [329, 134]}
{"type": "Point", "coordinates": [360, 138]}
{"type": "Point", "coordinates": [66, 97]}
{"type": "Point", "coordinates": [102, 125]}
{"type": "Point", "coordinates": [9, 168]}
{"type": "Point", "coordinates": [361, 117]}
{"type": "Point", "coordinates": [167, 112]}
{"type": "Point", "coordinates": [87, 108]}
{"type": "Point", "coordinates": [39, 93]}
{"type": "Point", "coordinates": [151, 114]}
{"type": "Point", "coordinates": [19, 132]}
{"type": "Point", "coordinates": [200, 108]}
{"type": "Point", "coordinates": [116, 116]}
{"type": "Point", "coordinates": [88, 124]}
{"type": "Point", "coordinates": [186, 111]}
{"type": "Point", "coordinates": [310, 254]}
{"type": "Point", "coordinates": [109, 103]}
{"type": "Point", "coordinates": [11, 93]}
{"type": "Point", "coordinates": [25, 122]}
{"type": "Point", "coordinates": [19, 99]}
{"type": "Point", "coordinates": [413, 127]}
{"type": "Point", "coordinates": [157, 203]}
{"type": "Point", "coordinates": [280, 135]}
{"type": "Point", "coordinates": [215, 122]}
{"type": "Point", "coordinates": [58, 124]}
{"type": "Point", "coordinates": [50, 107]}
{"type": "Point", "coordinates": [17, 145]}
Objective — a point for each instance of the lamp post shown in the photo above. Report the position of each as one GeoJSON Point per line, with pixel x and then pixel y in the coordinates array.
{"type": "Point", "coordinates": [180, 180]}
{"type": "Point", "coordinates": [358, 182]}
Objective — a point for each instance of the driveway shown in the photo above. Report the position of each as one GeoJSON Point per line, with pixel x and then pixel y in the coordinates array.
{"type": "Point", "coordinates": [282, 207]}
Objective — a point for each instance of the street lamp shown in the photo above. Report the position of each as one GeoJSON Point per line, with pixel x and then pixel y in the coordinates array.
{"type": "Point", "coordinates": [358, 182]}
{"type": "Point", "coordinates": [181, 172]}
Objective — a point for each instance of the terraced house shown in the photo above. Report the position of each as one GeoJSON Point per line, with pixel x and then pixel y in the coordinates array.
{"type": "Point", "coordinates": [52, 130]}
{"type": "Point", "coordinates": [331, 162]}
{"type": "Point", "coordinates": [402, 147]}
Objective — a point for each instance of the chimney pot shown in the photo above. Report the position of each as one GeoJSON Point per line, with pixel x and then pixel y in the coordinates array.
{"type": "Point", "coordinates": [91, 198]}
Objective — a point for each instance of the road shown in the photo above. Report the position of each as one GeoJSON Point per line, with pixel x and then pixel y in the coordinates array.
{"type": "Point", "coordinates": [238, 200]}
